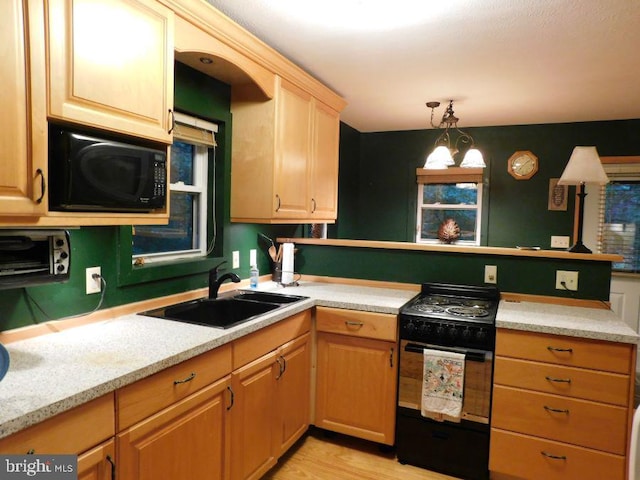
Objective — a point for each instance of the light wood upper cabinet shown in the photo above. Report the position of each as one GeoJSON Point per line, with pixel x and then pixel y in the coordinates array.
{"type": "Point", "coordinates": [285, 157]}
{"type": "Point", "coordinates": [323, 178]}
{"type": "Point", "coordinates": [23, 136]}
{"type": "Point", "coordinates": [110, 65]}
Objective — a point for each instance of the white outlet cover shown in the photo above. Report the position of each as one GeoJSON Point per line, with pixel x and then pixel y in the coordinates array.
{"type": "Point", "coordinates": [235, 259]}
{"type": "Point", "coordinates": [569, 278]}
{"type": "Point", "coordinates": [93, 285]}
{"type": "Point", "coordinates": [253, 254]}
{"type": "Point", "coordinates": [490, 274]}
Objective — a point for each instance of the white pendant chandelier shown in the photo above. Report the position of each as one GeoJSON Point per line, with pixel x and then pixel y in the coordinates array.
{"type": "Point", "coordinates": [446, 149]}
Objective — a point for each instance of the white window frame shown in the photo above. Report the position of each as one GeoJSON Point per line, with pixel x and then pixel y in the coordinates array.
{"type": "Point", "coordinates": [439, 206]}
{"type": "Point", "coordinates": [198, 189]}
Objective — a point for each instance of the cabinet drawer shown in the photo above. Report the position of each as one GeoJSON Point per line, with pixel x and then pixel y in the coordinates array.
{"type": "Point", "coordinates": [581, 422]}
{"type": "Point", "coordinates": [152, 394]}
{"type": "Point", "coordinates": [71, 432]}
{"type": "Point", "coordinates": [379, 326]}
{"type": "Point", "coordinates": [247, 349]}
{"type": "Point", "coordinates": [571, 351]}
{"type": "Point", "coordinates": [573, 382]}
{"type": "Point", "coordinates": [521, 456]}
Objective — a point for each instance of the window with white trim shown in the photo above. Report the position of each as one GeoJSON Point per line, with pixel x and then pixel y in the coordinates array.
{"type": "Point", "coordinates": [443, 197]}
{"type": "Point", "coordinates": [619, 216]}
{"type": "Point", "coordinates": [186, 234]}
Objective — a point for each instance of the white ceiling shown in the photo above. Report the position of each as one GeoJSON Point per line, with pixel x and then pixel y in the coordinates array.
{"type": "Point", "coordinates": [503, 62]}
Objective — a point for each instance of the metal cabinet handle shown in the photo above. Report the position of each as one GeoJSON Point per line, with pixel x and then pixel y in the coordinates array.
{"type": "Point", "coordinates": [391, 358]}
{"type": "Point", "coordinates": [556, 349]}
{"type": "Point", "coordinates": [188, 379]}
{"type": "Point", "coordinates": [556, 410]}
{"type": "Point", "coordinates": [113, 467]}
{"type": "Point", "coordinates": [279, 203]}
{"type": "Point", "coordinates": [233, 397]}
{"type": "Point", "coordinates": [43, 185]}
{"type": "Point", "coordinates": [351, 323]}
{"type": "Point", "coordinates": [282, 365]}
{"type": "Point", "coordinates": [173, 121]}
{"type": "Point", "coordinates": [558, 380]}
{"type": "Point", "coordinates": [553, 457]}
{"type": "Point", "coordinates": [313, 202]}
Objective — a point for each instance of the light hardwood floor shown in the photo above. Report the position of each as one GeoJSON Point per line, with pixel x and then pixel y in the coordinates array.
{"type": "Point", "coordinates": [338, 457]}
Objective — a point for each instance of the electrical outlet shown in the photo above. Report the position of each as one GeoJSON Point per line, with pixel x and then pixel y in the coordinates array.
{"type": "Point", "coordinates": [93, 285]}
{"type": "Point", "coordinates": [253, 260]}
{"type": "Point", "coordinates": [490, 274]}
{"type": "Point", "coordinates": [236, 259]}
{"type": "Point", "coordinates": [570, 280]}
{"type": "Point", "coordinates": [558, 241]}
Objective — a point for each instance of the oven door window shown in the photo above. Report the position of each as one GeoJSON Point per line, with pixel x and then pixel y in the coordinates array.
{"type": "Point", "coordinates": [477, 381]}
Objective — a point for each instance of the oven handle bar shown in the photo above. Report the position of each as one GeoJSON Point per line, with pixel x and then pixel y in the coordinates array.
{"type": "Point", "coordinates": [471, 354]}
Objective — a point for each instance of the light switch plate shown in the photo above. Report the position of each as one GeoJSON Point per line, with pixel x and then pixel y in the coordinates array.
{"type": "Point", "coordinates": [253, 261]}
{"type": "Point", "coordinates": [236, 259]}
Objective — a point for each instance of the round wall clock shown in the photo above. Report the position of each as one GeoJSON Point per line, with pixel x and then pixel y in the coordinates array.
{"type": "Point", "coordinates": [522, 165]}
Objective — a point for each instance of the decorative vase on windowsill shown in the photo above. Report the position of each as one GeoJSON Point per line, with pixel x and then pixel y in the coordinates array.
{"type": "Point", "coordinates": [449, 231]}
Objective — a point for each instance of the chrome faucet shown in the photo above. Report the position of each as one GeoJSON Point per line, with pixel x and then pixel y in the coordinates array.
{"type": "Point", "coordinates": [215, 281]}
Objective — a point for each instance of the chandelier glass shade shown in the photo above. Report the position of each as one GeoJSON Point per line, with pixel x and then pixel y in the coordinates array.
{"type": "Point", "coordinates": [445, 149]}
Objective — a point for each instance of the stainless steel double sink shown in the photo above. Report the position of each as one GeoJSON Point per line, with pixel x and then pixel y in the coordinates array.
{"type": "Point", "coordinates": [226, 311]}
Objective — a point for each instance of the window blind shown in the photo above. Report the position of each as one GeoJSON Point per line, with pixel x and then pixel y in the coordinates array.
{"type": "Point", "coordinates": [619, 216]}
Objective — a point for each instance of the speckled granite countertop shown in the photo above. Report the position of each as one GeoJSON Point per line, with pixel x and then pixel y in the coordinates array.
{"type": "Point", "coordinates": [56, 372]}
{"type": "Point", "coordinates": [594, 323]}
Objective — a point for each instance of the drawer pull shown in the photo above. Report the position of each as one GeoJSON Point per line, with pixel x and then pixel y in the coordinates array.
{"type": "Point", "coordinates": [558, 380]}
{"type": "Point", "coordinates": [232, 399]}
{"type": "Point", "coordinates": [188, 379]}
{"type": "Point", "coordinates": [552, 456]}
{"type": "Point", "coordinates": [113, 467]}
{"type": "Point", "coordinates": [556, 410]}
{"type": "Point", "coordinates": [351, 323]}
{"type": "Point", "coordinates": [556, 349]}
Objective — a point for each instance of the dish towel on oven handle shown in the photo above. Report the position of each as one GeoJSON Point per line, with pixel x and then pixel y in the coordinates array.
{"type": "Point", "coordinates": [442, 385]}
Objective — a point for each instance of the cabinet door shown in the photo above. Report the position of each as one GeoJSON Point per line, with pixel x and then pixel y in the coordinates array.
{"type": "Point", "coordinates": [292, 153]}
{"type": "Point", "coordinates": [98, 463]}
{"type": "Point", "coordinates": [23, 134]}
{"type": "Point", "coordinates": [356, 386]}
{"type": "Point", "coordinates": [186, 441]}
{"type": "Point", "coordinates": [293, 392]}
{"type": "Point", "coordinates": [253, 418]}
{"type": "Point", "coordinates": [111, 65]}
{"type": "Point", "coordinates": [323, 175]}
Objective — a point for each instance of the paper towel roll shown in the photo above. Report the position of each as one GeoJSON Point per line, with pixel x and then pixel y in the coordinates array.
{"type": "Point", "coordinates": [287, 263]}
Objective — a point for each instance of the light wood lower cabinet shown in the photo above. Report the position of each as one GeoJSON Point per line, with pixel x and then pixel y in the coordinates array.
{"type": "Point", "coordinates": [271, 395]}
{"type": "Point", "coordinates": [356, 373]}
{"type": "Point", "coordinates": [77, 431]}
{"type": "Point", "coordinates": [98, 463]}
{"type": "Point", "coordinates": [186, 441]}
{"type": "Point", "coordinates": [562, 407]}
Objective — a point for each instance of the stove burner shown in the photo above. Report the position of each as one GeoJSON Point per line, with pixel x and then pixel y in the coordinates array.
{"type": "Point", "coordinates": [469, 312]}
{"type": "Point", "coordinates": [427, 308]}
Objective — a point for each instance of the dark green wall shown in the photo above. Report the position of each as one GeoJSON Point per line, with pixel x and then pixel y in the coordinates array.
{"type": "Point", "coordinates": [377, 201]}
{"type": "Point", "coordinates": [385, 186]}
{"type": "Point", "coordinates": [93, 246]}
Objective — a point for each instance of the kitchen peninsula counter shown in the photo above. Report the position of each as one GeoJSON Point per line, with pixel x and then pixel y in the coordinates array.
{"type": "Point", "coordinates": [53, 373]}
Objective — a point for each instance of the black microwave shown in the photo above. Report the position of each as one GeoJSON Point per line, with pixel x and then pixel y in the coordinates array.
{"type": "Point", "coordinates": [90, 172]}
